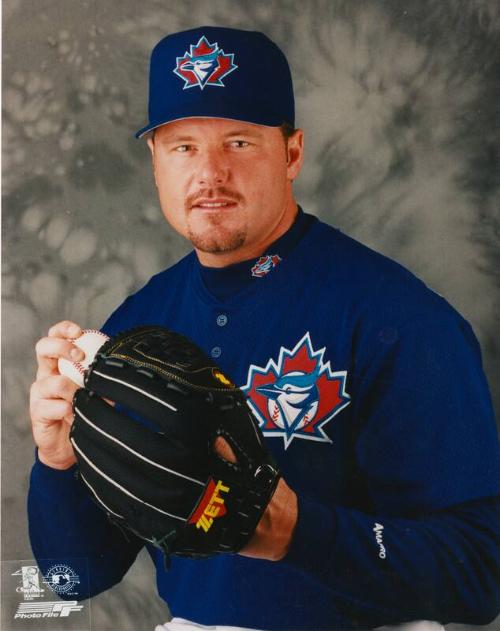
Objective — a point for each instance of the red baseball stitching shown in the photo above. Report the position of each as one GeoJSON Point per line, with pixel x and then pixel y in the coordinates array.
{"type": "Point", "coordinates": [81, 369]}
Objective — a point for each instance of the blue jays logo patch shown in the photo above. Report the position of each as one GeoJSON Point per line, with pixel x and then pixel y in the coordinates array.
{"type": "Point", "coordinates": [205, 64]}
{"type": "Point", "coordinates": [265, 264]}
{"type": "Point", "coordinates": [295, 396]}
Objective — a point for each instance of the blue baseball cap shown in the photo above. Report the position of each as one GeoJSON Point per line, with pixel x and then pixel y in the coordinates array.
{"type": "Point", "coordinates": [215, 72]}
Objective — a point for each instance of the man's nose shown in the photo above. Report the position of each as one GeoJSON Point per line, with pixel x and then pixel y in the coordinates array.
{"type": "Point", "coordinates": [213, 169]}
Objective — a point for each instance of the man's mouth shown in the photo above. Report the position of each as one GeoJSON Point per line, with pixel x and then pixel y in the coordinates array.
{"type": "Point", "coordinates": [213, 204]}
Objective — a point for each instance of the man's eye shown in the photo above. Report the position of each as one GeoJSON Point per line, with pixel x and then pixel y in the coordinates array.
{"type": "Point", "coordinates": [183, 148]}
{"type": "Point", "coordinates": [240, 143]}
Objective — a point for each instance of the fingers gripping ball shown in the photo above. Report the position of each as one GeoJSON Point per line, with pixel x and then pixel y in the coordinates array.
{"type": "Point", "coordinates": [89, 342]}
{"type": "Point", "coordinates": [149, 462]}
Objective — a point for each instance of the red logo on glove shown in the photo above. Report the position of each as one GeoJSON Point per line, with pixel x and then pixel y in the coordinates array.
{"type": "Point", "coordinates": [211, 506]}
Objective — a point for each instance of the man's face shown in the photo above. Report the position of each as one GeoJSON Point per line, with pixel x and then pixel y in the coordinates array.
{"type": "Point", "coordinates": [226, 185]}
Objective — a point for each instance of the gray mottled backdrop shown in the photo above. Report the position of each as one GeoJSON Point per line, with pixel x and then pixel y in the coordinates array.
{"type": "Point", "coordinates": [399, 103]}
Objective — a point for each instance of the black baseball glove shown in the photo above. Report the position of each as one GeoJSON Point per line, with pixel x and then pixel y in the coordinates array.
{"type": "Point", "coordinates": [148, 458]}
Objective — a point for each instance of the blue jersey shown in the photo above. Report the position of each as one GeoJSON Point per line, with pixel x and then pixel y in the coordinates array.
{"type": "Point", "coordinates": [369, 390]}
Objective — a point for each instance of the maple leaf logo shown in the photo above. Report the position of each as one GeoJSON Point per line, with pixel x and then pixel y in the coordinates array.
{"type": "Point", "coordinates": [204, 65]}
{"type": "Point", "coordinates": [295, 396]}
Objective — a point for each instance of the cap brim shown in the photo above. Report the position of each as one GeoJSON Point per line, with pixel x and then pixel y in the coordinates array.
{"type": "Point", "coordinates": [267, 119]}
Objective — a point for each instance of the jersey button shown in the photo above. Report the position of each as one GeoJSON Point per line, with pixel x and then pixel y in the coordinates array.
{"type": "Point", "coordinates": [222, 319]}
{"type": "Point", "coordinates": [216, 352]}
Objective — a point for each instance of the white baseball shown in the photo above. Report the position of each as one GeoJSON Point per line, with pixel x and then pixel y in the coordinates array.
{"type": "Point", "coordinates": [90, 341]}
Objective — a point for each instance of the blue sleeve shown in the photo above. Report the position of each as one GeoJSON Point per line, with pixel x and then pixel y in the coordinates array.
{"type": "Point", "coordinates": [121, 319]}
{"type": "Point", "coordinates": [65, 526]}
{"type": "Point", "coordinates": [153, 303]}
{"type": "Point", "coordinates": [442, 566]}
{"type": "Point", "coordinates": [427, 546]}
{"type": "Point", "coordinates": [64, 522]}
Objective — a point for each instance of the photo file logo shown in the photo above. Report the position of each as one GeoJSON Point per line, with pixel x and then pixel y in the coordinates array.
{"type": "Point", "coordinates": [50, 609]}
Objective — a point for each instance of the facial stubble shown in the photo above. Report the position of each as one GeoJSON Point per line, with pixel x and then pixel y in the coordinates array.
{"type": "Point", "coordinates": [217, 237]}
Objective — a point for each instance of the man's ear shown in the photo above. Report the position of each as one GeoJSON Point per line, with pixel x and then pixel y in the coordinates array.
{"type": "Point", "coordinates": [295, 154]}
{"type": "Point", "coordinates": [151, 145]}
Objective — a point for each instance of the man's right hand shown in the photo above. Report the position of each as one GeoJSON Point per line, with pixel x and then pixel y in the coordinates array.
{"type": "Point", "coordinates": [51, 396]}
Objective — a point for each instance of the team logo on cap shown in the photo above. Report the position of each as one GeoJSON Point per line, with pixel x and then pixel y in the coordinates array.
{"type": "Point", "coordinates": [205, 64]}
{"type": "Point", "coordinates": [296, 395]}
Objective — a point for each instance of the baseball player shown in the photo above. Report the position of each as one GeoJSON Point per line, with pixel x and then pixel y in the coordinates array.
{"type": "Point", "coordinates": [367, 386]}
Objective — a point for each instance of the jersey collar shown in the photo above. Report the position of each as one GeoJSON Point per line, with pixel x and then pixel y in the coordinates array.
{"type": "Point", "coordinates": [223, 282]}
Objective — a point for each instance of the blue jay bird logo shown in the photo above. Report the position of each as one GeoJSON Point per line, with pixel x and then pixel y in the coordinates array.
{"type": "Point", "coordinates": [205, 64]}
{"type": "Point", "coordinates": [293, 399]}
{"type": "Point", "coordinates": [295, 396]}
{"type": "Point", "coordinates": [265, 264]}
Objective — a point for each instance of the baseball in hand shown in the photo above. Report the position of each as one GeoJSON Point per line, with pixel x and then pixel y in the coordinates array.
{"type": "Point", "coordinates": [90, 341]}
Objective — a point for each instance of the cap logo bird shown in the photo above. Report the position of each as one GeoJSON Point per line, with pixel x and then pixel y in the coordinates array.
{"type": "Point", "coordinates": [205, 65]}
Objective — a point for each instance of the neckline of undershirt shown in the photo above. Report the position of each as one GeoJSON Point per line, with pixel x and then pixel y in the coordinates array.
{"type": "Point", "coordinates": [222, 283]}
